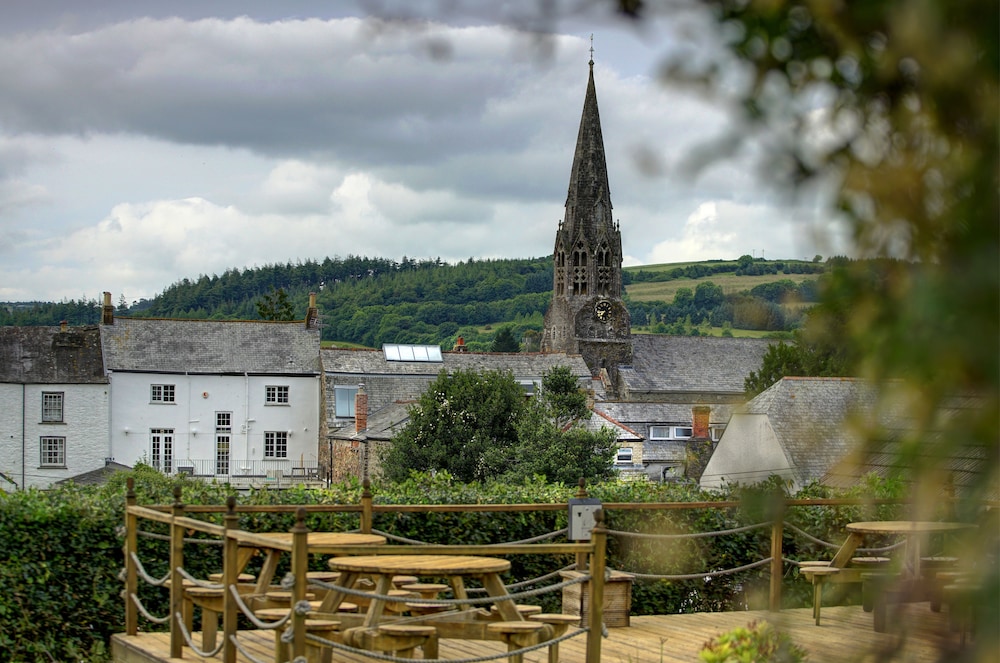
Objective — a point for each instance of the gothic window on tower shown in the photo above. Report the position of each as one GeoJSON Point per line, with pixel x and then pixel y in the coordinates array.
{"type": "Point", "coordinates": [579, 271]}
{"type": "Point", "coordinates": [603, 271]}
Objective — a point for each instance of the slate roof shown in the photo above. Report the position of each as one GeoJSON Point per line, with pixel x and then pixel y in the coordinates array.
{"type": "Point", "coordinates": [522, 364]}
{"type": "Point", "coordinates": [637, 413]}
{"type": "Point", "coordinates": [383, 423]}
{"type": "Point", "coordinates": [599, 420]}
{"type": "Point", "coordinates": [96, 477]}
{"type": "Point", "coordinates": [964, 462]}
{"type": "Point", "coordinates": [703, 364]}
{"type": "Point", "coordinates": [48, 355]}
{"type": "Point", "coordinates": [211, 347]}
{"type": "Point", "coordinates": [809, 417]}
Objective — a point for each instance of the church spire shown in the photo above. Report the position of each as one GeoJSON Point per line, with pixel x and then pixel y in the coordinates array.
{"type": "Point", "coordinates": [588, 200]}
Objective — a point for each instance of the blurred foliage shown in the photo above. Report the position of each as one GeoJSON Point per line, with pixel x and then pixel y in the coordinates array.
{"type": "Point", "coordinates": [895, 106]}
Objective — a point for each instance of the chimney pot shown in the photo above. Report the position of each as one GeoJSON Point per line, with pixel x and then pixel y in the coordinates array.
{"type": "Point", "coordinates": [63, 325]}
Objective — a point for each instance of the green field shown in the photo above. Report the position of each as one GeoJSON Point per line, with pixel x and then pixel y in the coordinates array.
{"type": "Point", "coordinates": [730, 283]}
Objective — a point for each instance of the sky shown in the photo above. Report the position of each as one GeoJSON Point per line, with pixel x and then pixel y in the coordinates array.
{"type": "Point", "coordinates": [145, 142]}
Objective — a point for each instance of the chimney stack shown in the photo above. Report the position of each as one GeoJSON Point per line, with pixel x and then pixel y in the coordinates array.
{"type": "Point", "coordinates": [700, 427]}
{"type": "Point", "coordinates": [360, 409]}
{"type": "Point", "coordinates": [459, 345]}
{"type": "Point", "coordinates": [107, 311]}
{"type": "Point", "coordinates": [63, 325]}
{"type": "Point", "coordinates": [312, 313]}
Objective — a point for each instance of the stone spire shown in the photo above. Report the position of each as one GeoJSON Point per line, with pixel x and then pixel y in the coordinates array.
{"type": "Point", "coordinates": [588, 200]}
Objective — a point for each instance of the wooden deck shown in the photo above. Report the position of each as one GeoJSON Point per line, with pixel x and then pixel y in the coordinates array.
{"type": "Point", "coordinates": [845, 635]}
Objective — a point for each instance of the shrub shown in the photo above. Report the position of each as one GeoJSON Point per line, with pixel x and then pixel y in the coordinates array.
{"type": "Point", "coordinates": [758, 642]}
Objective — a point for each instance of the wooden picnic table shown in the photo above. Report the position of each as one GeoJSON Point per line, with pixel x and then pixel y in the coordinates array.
{"type": "Point", "coordinates": [915, 531]}
{"type": "Point", "coordinates": [273, 544]}
{"type": "Point", "coordinates": [454, 568]}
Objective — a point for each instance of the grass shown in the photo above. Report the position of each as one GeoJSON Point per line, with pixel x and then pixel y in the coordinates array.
{"type": "Point", "coordinates": [730, 283]}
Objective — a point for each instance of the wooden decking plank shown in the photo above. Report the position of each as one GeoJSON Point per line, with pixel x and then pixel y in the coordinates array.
{"type": "Point", "coordinates": [845, 635]}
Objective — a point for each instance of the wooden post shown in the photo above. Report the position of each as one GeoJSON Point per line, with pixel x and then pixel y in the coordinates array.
{"type": "Point", "coordinates": [777, 563]}
{"type": "Point", "coordinates": [131, 572]}
{"type": "Point", "coordinates": [581, 558]}
{"type": "Point", "coordinates": [595, 623]}
{"type": "Point", "coordinates": [300, 565]}
{"type": "Point", "coordinates": [176, 580]}
{"type": "Point", "coordinates": [366, 507]}
{"type": "Point", "coordinates": [230, 576]}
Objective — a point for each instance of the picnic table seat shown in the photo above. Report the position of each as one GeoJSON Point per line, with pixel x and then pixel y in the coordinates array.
{"type": "Point", "coordinates": [818, 575]}
{"type": "Point", "coordinates": [559, 624]}
{"type": "Point", "coordinates": [517, 635]}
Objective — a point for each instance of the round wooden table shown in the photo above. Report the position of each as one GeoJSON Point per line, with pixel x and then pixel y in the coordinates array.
{"type": "Point", "coordinates": [914, 531]}
{"type": "Point", "coordinates": [274, 543]}
{"type": "Point", "coordinates": [455, 568]}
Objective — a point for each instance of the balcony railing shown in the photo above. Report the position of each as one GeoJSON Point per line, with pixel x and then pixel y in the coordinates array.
{"type": "Point", "coordinates": [272, 471]}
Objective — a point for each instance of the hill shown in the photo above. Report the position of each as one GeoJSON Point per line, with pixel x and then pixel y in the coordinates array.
{"type": "Point", "coordinates": [371, 301]}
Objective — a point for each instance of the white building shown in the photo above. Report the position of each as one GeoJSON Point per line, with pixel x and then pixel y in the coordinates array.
{"type": "Point", "coordinates": [239, 401]}
{"type": "Point", "coordinates": [53, 405]}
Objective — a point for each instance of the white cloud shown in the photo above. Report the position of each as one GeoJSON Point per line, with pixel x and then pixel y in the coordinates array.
{"type": "Point", "coordinates": [136, 151]}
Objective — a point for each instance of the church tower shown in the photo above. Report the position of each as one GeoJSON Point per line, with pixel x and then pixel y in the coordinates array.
{"type": "Point", "coordinates": [587, 315]}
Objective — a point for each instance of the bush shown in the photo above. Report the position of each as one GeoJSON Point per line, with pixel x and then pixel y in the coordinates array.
{"type": "Point", "coordinates": [758, 642]}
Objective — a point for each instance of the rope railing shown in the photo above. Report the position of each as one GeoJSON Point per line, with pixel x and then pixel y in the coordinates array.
{"type": "Point", "coordinates": [350, 591]}
{"type": "Point", "coordinates": [230, 536]}
{"type": "Point", "coordinates": [471, 659]}
{"type": "Point", "coordinates": [190, 643]}
{"type": "Point", "coordinates": [148, 579]}
{"type": "Point", "coordinates": [145, 613]}
{"type": "Point", "coordinates": [706, 574]}
{"type": "Point", "coordinates": [689, 535]}
{"type": "Point", "coordinates": [828, 544]}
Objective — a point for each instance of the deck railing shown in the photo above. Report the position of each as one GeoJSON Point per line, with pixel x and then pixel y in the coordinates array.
{"type": "Point", "coordinates": [590, 556]}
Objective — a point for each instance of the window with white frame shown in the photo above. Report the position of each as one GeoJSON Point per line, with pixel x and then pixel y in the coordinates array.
{"type": "Point", "coordinates": [223, 436]}
{"type": "Point", "coordinates": [659, 432]}
{"type": "Point", "coordinates": [624, 456]}
{"type": "Point", "coordinates": [161, 393]}
{"type": "Point", "coordinates": [344, 400]}
{"type": "Point", "coordinates": [670, 432]}
{"type": "Point", "coordinates": [161, 449]}
{"type": "Point", "coordinates": [276, 444]}
{"type": "Point", "coordinates": [52, 451]}
{"type": "Point", "coordinates": [52, 407]}
{"type": "Point", "coordinates": [276, 394]}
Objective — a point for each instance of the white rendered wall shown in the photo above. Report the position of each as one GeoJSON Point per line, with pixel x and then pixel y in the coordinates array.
{"type": "Point", "coordinates": [192, 416]}
{"type": "Point", "coordinates": [748, 452]}
{"type": "Point", "coordinates": [84, 427]}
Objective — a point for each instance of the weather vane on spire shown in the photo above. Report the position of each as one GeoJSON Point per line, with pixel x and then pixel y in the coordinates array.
{"type": "Point", "coordinates": [591, 48]}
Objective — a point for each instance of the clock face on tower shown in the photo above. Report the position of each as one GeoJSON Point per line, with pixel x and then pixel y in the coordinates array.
{"type": "Point", "coordinates": [603, 311]}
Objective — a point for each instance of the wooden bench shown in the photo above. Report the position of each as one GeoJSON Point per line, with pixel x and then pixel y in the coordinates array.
{"type": "Point", "coordinates": [516, 635]}
{"type": "Point", "coordinates": [559, 623]}
{"type": "Point", "coordinates": [818, 575]}
{"type": "Point", "coordinates": [399, 639]}
{"type": "Point", "coordinates": [315, 652]}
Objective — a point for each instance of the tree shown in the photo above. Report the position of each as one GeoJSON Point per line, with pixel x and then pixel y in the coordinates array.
{"type": "Point", "coordinates": [464, 423]}
{"type": "Point", "coordinates": [794, 360]}
{"type": "Point", "coordinates": [504, 341]}
{"type": "Point", "coordinates": [562, 396]}
{"type": "Point", "coordinates": [480, 426]}
{"type": "Point", "coordinates": [275, 306]}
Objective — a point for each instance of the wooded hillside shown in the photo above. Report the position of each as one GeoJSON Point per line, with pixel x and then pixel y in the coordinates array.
{"type": "Point", "coordinates": [371, 301]}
